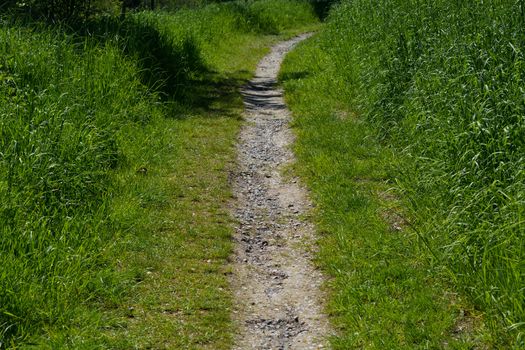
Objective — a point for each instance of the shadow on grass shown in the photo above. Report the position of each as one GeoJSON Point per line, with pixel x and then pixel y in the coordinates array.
{"type": "Point", "coordinates": [173, 68]}
{"type": "Point", "coordinates": [213, 94]}
{"type": "Point", "coordinates": [322, 7]}
{"type": "Point", "coordinates": [167, 65]}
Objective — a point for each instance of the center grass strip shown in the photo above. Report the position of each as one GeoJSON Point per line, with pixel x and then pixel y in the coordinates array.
{"type": "Point", "coordinates": [384, 291]}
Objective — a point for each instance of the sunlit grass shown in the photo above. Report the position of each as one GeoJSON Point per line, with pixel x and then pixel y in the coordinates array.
{"type": "Point", "coordinates": [438, 84]}
{"type": "Point", "coordinates": [383, 292]}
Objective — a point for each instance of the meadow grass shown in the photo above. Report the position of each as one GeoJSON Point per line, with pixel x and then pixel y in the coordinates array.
{"type": "Point", "coordinates": [116, 141]}
{"type": "Point", "coordinates": [424, 98]}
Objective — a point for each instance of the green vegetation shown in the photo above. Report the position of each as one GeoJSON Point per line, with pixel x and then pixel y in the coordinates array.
{"type": "Point", "coordinates": [116, 138]}
{"type": "Point", "coordinates": [411, 135]}
{"type": "Point", "coordinates": [382, 294]}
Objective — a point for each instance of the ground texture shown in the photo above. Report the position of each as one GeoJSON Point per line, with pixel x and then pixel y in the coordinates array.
{"type": "Point", "coordinates": [276, 287]}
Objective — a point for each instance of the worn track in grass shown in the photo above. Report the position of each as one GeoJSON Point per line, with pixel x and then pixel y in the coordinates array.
{"type": "Point", "coordinates": [276, 287]}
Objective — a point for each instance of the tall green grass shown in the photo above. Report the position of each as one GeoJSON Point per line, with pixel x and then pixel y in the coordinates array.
{"type": "Point", "coordinates": [81, 109]}
{"type": "Point", "coordinates": [442, 83]}
{"type": "Point", "coordinates": [63, 104]}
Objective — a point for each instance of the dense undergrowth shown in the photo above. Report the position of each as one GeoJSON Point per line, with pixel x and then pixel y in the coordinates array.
{"type": "Point", "coordinates": [437, 89]}
{"type": "Point", "coordinates": [86, 113]}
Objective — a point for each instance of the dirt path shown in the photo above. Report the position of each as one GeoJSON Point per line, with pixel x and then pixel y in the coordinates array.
{"type": "Point", "coordinates": [276, 287]}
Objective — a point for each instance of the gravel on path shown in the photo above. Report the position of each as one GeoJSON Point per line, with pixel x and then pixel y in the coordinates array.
{"type": "Point", "coordinates": [278, 301]}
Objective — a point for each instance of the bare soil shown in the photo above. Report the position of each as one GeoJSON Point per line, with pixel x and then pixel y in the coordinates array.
{"type": "Point", "coordinates": [278, 302]}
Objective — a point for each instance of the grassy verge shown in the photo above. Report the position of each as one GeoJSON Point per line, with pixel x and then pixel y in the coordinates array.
{"type": "Point", "coordinates": [386, 292]}
{"type": "Point", "coordinates": [114, 173]}
{"type": "Point", "coordinates": [426, 99]}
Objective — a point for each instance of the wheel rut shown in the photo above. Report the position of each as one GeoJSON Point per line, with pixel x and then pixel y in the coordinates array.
{"type": "Point", "coordinates": [278, 302]}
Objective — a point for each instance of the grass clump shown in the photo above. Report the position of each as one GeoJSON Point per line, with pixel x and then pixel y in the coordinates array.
{"type": "Point", "coordinates": [438, 85]}
{"type": "Point", "coordinates": [116, 139]}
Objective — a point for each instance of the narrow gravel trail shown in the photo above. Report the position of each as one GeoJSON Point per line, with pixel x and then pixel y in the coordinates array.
{"type": "Point", "coordinates": [278, 302]}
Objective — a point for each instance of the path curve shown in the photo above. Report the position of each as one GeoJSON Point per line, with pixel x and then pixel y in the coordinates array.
{"type": "Point", "coordinates": [278, 302]}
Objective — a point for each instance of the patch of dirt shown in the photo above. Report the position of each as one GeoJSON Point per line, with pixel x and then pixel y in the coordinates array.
{"type": "Point", "coordinates": [278, 302]}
